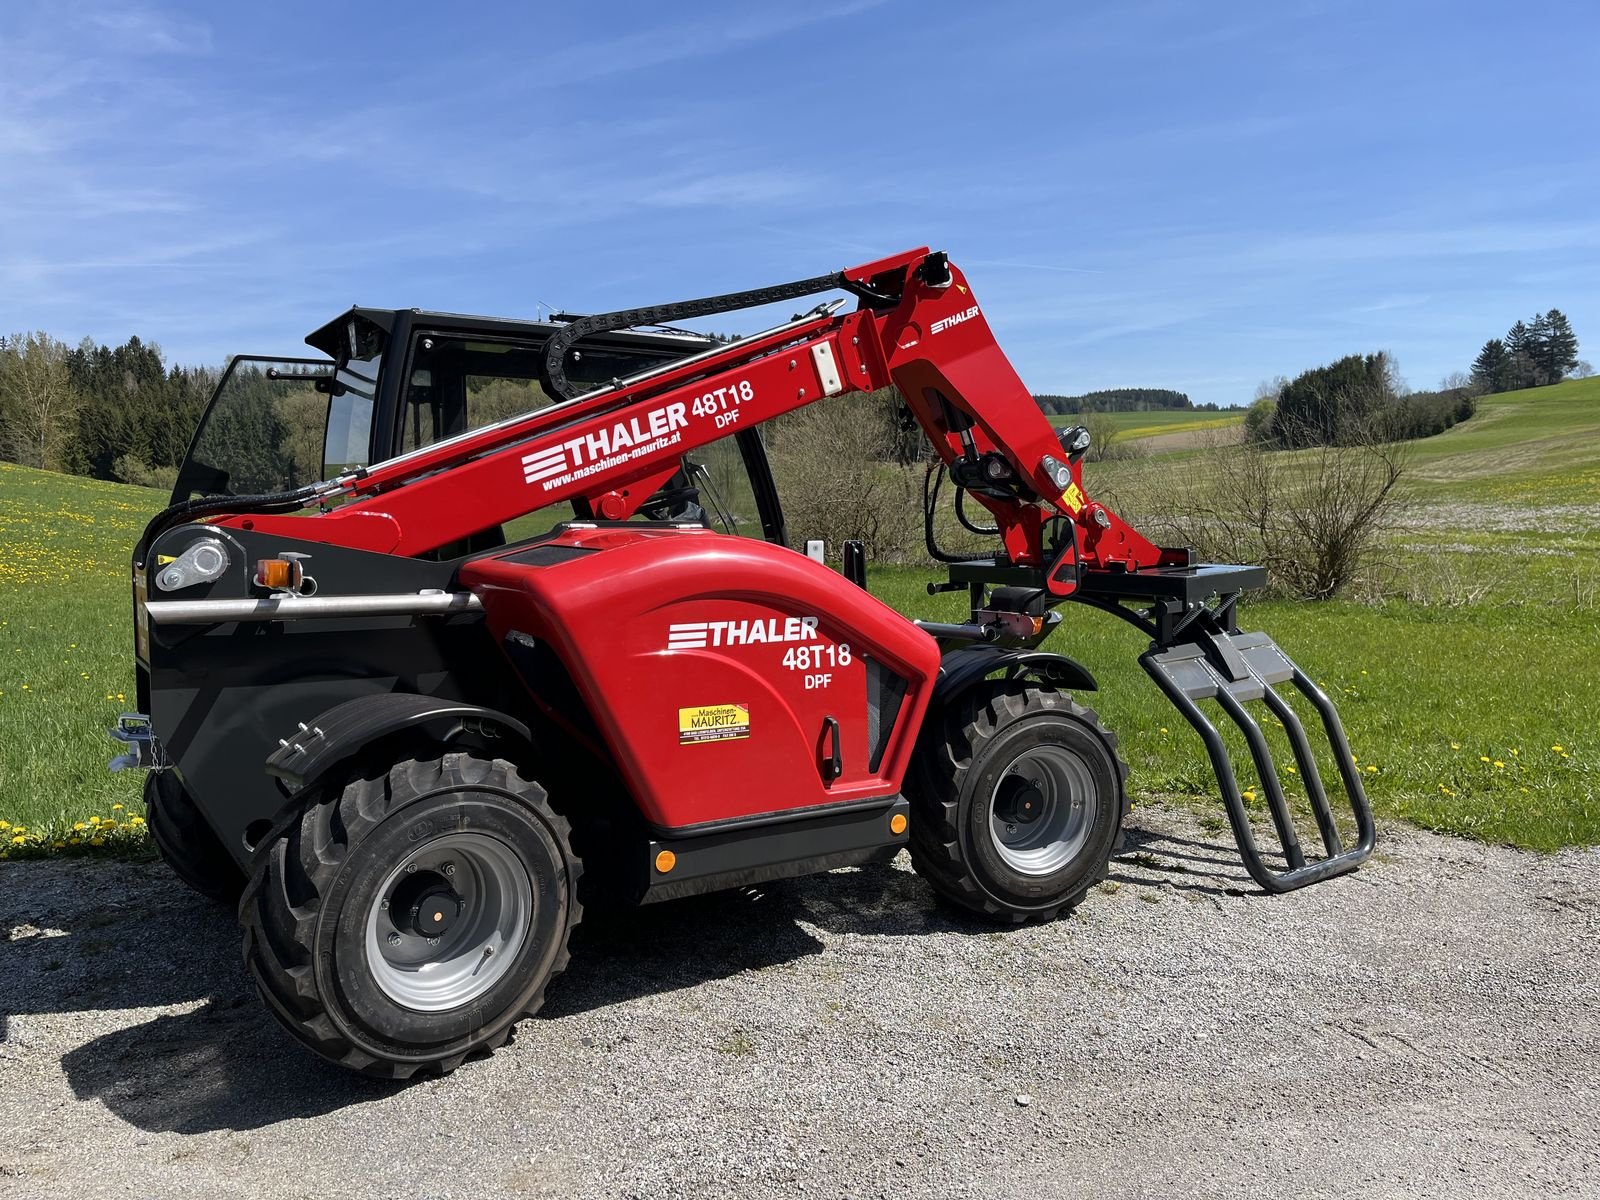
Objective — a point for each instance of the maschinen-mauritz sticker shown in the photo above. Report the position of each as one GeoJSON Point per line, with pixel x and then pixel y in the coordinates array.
{"type": "Point", "coordinates": [713, 723]}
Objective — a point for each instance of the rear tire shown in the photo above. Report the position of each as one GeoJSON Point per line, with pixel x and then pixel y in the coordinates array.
{"type": "Point", "coordinates": [1018, 800]}
{"type": "Point", "coordinates": [186, 843]}
{"type": "Point", "coordinates": [412, 917]}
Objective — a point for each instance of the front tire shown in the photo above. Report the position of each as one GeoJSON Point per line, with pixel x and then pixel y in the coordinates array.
{"type": "Point", "coordinates": [412, 917]}
{"type": "Point", "coordinates": [1018, 800]}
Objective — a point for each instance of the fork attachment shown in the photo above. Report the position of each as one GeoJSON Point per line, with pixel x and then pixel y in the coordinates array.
{"type": "Point", "coordinates": [1234, 668]}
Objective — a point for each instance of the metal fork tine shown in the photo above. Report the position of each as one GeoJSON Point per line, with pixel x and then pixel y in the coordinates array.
{"type": "Point", "coordinates": [1366, 828]}
{"type": "Point", "coordinates": [1267, 770]}
{"type": "Point", "coordinates": [1308, 770]}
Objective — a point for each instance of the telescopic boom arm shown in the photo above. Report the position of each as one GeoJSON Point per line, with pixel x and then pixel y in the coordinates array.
{"type": "Point", "coordinates": [918, 326]}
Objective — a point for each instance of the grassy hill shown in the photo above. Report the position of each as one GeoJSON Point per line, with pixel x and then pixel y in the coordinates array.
{"type": "Point", "coordinates": [1537, 448]}
{"type": "Point", "coordinates": [1475, 711]}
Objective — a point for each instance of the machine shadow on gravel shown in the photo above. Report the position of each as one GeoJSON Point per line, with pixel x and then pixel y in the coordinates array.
{"type": "Point", "coordinates": [227, 1065]}
{"type": "Point", "coordinates": [1156, 858]}
{"type": "Point", "coordinates": [86, 934]}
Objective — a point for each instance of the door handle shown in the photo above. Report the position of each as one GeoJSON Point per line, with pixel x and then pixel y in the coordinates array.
{"type": "Point", "coordinates": [832, 753]}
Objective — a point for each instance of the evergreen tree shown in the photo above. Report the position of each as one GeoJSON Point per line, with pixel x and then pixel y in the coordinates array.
{"type": "Point", "coordinates": [1341, 404]}
{"type": "Point", "coordinates": [1559, 350]}
{"type": "Point", "coordinates": [1520, 347]}
{"type": "Point", "coordinates": [1491, 370]}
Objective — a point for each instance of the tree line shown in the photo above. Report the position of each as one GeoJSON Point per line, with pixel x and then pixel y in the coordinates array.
{"type": "Point", "coordinates": [107, 412]}
{"type": "Point", "coordinates": [1532, 354]}
{"type": "Point", "coordinates": [1118, 400]}
{"type": "Point", "coordinates": [1356, 400]}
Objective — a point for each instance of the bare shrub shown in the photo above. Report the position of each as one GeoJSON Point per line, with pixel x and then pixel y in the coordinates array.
{"type": "Point", "coordinates": [836, 468]}
{"type": "Point", "coordinates": [1105, 439]}
{"type": "Point", "coordinates": [1315, 517]}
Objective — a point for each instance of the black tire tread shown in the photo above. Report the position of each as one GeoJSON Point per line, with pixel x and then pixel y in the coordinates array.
{"type": "Point", "coordinates": [950, 743]}
{"type": "Point", "coordinates": [280, 906]}
{"type": "Point", "coordinates": [186, 843]}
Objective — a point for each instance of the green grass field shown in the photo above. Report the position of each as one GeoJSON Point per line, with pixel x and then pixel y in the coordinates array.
{"type": "Point", "coordinates": [1163, 421]}
{"type": "Point", "coordinates": [1476, 711]}
{"type": "Point", "coordinates": [66, 667]}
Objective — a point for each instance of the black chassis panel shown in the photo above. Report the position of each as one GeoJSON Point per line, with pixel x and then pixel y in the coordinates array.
{"type": "Point", "coordinates": [222, 695]}
{"type": "Point", "coordinates": [782, 849]}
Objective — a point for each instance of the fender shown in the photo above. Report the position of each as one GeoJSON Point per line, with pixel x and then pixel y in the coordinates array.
{"type": "Point", "coordinates": [343, 731]}
{"type": "Point", "coordinates": [961, 669]}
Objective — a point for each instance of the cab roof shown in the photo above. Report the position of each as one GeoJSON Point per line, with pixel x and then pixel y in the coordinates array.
{"type": "Point", "coordinates": [330, 337]}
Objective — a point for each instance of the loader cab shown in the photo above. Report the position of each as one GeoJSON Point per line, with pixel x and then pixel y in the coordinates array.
{"type": "Point", "coordinates": [392, 381]}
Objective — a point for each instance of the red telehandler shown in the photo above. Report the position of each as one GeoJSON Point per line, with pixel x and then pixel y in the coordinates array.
{"type": "Point", "coordinates": [412, 733]}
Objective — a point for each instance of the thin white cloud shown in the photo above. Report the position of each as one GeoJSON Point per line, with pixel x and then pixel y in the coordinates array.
{"type": "Point", "coordinates": [135, 29]}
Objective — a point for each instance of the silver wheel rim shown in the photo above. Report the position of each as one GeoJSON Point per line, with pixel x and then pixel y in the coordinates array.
{"type": "Point", "coordinates": [1042, 810]}
{"type": "Point", "coordinates": [487, 895]}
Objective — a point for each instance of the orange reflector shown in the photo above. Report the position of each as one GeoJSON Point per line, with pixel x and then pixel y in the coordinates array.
{"type": "Point", "coordinates": [898, 823]}
{"type": "Point", "coordinates": [665, 861]}
{"type": "Point", "coordinates": [275, 573]}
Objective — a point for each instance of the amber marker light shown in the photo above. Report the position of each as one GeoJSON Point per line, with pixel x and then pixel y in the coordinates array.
{"type": "Point", "coordinates": [665, 861]}
{"type": "Point", "coordinates": [898, 824]}
{"type": "Point", "coordinates": [275, 573]}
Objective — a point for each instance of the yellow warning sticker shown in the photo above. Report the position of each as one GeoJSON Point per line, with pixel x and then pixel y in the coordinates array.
{"type": "Point", "coordinates": [1074, 498]}
{"type": "Point", "coordinates": [713, 723]}
{"type": "Point", "coordinates": [163, 559]}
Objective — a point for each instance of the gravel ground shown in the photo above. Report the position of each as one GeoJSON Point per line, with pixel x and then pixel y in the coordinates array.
{"type": "Point", "coordinates": [1428, 1027]}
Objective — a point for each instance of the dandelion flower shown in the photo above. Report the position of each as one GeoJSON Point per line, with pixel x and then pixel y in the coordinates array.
{"type": "Point", "coordinates": [1249, 794]}
{"type": "Point", "coordinates": [1292, 771]}
{"type": "Point", "coordinates": [118, 807]}
{"type": "Point", "coordinates": [79, 826]}
{"type": "Point", "coordinates": [1163, 729]}
{"type": "Point", "coordinates": [1557, 747]}
{"type": "Point", "coordinates": [1483, 758]}
{"type": "Point", "coordinates": [1499, 763]}
{"type": "Point", "coordinates": [18, 840]}
{"type": "Point", "coordinates": [1371, 770]}
{"type": "Point", "coordinates": [135, 821]}
{"type": "Point", "coordinates": [1455, 745]}
{"type": "Point", "coordinates": [98, 841]}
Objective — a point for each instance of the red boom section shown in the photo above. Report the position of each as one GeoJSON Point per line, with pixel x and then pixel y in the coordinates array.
{"type": "Point", "coordinates": [616, 446]}
{"type": "Point", "coordinates": [678, 638]}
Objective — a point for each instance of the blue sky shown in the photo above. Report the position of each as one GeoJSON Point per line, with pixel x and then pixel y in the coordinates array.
{"type": "Point", "coordinates": [1153, 194]}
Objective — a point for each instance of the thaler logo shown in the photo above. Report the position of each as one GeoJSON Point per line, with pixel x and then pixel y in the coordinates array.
{"type": "Point", "coordinates": [697, 635]}
{"type": "Point", "coordinates": [944, 323]}
{"type": "Point", "coordinates": [637, 435]}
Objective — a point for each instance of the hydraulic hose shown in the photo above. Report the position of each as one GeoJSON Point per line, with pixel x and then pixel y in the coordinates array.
{"type": "Point", "coordinates": [209, 506]}
{"type": "Point", "coordinates": [932, 479]}
{"type": "Point", "coordinates": [966, 521]}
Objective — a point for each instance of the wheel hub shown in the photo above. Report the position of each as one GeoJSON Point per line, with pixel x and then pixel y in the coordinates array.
{"type": "Point", "coordinates": [1018, 802]}
{"type": "Point", "coordinates": [425, 905]}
